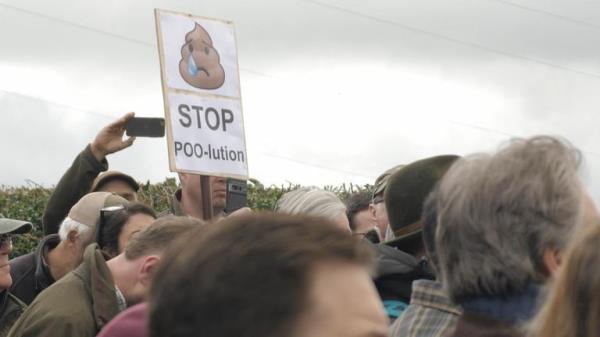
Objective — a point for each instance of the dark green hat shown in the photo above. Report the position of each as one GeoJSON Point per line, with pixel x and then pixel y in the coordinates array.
{"type": "Point", "coordinates": [406, 191]}
{"type": "Point", "coordinates": [11, 226]}
{"type": "Point", "coordinates": [382, 180]}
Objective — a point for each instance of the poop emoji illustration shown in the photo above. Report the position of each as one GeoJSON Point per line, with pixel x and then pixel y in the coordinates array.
{"type": "Point", "coordinates": [200, 63]}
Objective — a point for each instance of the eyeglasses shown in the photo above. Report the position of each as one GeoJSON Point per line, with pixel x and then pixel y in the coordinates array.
{"type": "Point", "coordinates": [104, 214]}
{"type": "Point", "coordinates": [5, 241]}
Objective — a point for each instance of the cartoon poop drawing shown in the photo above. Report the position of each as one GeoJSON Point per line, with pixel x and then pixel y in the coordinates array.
{"type": "Point", "coordinates": [200, 63]}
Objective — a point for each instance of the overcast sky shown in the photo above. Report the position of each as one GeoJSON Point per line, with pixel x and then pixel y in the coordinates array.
{"type": "Point", "coordinates": [332, 91]}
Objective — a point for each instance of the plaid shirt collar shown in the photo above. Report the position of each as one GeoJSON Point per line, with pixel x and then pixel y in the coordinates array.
{"type": "Point", "coordinates": [431, 294]}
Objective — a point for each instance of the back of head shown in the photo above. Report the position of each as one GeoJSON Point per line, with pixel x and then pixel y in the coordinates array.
{"type": "Point", "coordinates": [429, 219]}
{"type": "Point", "coordinates": [311, 201]}
{"type": "Point", "coordinates": [573, 305]}
{"type": "Point", "coordinates": [499, 213]}
{"type": "Point", "coordinates": [248, 276]}
{"type": "Point", "coordinates": [357, 203]}
{"type": "Point", "coordinates": [159, 235]}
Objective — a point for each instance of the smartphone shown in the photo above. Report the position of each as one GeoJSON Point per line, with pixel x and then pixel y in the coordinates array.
{"type": "Point", "coordinates": [237, 192]}
{"type": "Point", "coordinates": [145, 127]}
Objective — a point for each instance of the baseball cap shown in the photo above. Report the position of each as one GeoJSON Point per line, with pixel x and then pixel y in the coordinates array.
{"type": "Point", "coordinates": [12, 226]}
{"type": "Point", "coordinates": [87, 210]}
{"type": "Point", "coordinates": [108, 176]}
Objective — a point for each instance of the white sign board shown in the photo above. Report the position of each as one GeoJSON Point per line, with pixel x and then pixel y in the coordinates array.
{"type": "Point", "coordinates": [201, 89]}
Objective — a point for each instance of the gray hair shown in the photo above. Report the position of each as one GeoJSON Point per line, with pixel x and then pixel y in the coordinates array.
{"type": "Point", "coordinates": [84, 232]}
{"type": "Point", "coordinates": [311, 201]}
{"type": "Point", "coordinates": [499, 213]}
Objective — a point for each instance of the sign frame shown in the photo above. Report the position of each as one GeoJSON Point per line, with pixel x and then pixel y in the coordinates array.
{"type": "Point", "coordinates": [166, 91]}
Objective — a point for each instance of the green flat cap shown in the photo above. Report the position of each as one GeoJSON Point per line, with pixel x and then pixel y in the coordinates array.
{"type": "Point", "coordinates": [406, 191]}
{"type": "Point", "coordinates": [12, 226]}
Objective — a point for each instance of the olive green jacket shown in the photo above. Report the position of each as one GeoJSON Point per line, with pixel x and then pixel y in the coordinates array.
{"type": "Point", "coordinates": [77, 305]}
{"type": "Point", "coordinates": [10, 310]}
{"type": "Point", "coordinates": [73, 185]}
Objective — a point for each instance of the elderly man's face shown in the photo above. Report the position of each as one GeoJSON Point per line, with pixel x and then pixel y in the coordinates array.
{"type": "Point", "coordinates": [342, 303]}
{"type": "Point", "coordinates": [5, 249]}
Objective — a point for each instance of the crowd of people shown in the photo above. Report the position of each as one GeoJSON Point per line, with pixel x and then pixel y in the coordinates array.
{"type": "Point", "coordinates": [488, 244]}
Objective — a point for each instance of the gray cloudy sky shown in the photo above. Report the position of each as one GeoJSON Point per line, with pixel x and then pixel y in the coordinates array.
{"type": "Point", "coordinates": [333, 90]}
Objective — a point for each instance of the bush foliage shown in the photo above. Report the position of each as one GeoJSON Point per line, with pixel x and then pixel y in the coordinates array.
{"type": "Point", "coordinates": [27, 202]}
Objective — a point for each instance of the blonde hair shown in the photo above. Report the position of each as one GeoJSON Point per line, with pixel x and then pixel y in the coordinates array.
{"type": "Point", "coordinates": [572, 307]}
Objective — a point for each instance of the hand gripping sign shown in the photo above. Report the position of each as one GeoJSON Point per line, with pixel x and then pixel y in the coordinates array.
{"type": "Point", "coordinates": [201, 90]}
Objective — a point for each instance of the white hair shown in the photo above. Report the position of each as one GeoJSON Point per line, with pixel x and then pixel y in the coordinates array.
{"type": "Point", "coordinates": [311, 201]}
{"type": "Point", "coordinates": [84, 232]}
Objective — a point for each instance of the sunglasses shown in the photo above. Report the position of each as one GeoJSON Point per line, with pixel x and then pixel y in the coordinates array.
{"type": "Point", "coordinates": [5, 241]}
{"type": "Point", "coordinates": [105, 213]}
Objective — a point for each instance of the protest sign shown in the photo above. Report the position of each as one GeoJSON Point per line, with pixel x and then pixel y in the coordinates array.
{"type": "Point", "coordinates": [201, 90]}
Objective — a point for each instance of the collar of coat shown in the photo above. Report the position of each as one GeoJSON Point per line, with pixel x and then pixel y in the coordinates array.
{"type": "Point", "coordinates": [43, 277]}
{"type": "Point", "coordinates": [95, 272]}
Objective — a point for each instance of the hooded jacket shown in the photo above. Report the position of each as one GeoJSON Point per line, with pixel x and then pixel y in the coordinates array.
{"type": "Point", "coordinates": [10, 310]}
{"type": "Point", "coordinates": [78, 305]}
{"type": "Point", "coordinates": [396, 270]}
{"type": "Point", "coordinates": [30, 273]}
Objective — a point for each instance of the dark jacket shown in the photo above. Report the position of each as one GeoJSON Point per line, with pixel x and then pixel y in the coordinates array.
{"type": "Point", "coordinates": [30, 272]}
{"type": "Point", "coordinates": [73, 185]}
{"type": "Point", "coordinates": [396, 272]}
{"type": "Point", "coordinates": [77, 305]}
{"type": "Point", "coordinates": [10, 310]}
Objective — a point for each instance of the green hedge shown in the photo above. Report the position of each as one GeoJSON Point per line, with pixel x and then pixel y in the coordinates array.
{"type": "Point", "coordinates": [27, 202]}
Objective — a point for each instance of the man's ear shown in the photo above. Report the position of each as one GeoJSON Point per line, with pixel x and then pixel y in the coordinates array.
{"type": "Point", "coordinates": [552, 260]}
{"type": "Point", "coordinates": [72, 237]}
{"type": "Point", "coordinates": [147, 269]}
{"type": "Point", "coordinates": [372, 211]}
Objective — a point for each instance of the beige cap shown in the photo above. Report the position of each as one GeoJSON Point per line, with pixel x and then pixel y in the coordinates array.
{"type": "Point", "coordinates": [87, 210]}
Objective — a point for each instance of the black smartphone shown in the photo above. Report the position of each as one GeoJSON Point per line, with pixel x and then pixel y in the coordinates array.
{"type": "Point", "coordinates": [145, 127]}
{"type": "Point", "coordinates": [237, 191]}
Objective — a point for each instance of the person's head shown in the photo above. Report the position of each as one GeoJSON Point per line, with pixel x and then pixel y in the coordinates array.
{"type": "Point", "coordinates": [119, 224]}
{"type": "Point", "coordinates": [118, 183]}
{"type": "Point", "coordinates": [573, 305]}
{"type": "Point", "coordinates": [316, 202]}
{"type": "Point", "coordinates": [503, 219]}
{"type": "Point", "coordinates": [377, 206]}
{"type": "Point", "coordinates": [284, 275]}
{"type": "Point", "coordinates": [8, 228]}
{"type": "Point", "coordinates": [358, 212]}
{"type": "Point", "coordinates": [134, 269]}
{"type": "Point", "coordinates": [78, 229]}
{"type": "Point", "coordinates": [192, 190]}
{"type": "Point", "coordinates": [404, 196]}
{"type": "Point", "coordinates": [429, 220]}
